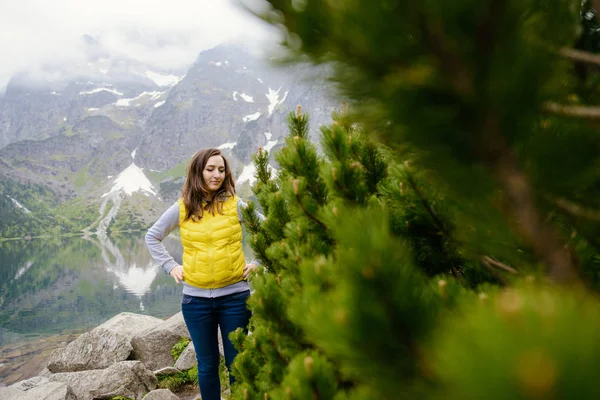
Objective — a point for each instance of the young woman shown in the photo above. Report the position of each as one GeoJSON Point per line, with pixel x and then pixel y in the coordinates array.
{"type": "Point", "coordinates": [214, 269]}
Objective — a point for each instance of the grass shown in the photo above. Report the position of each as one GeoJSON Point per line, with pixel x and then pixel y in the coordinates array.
{"type": "Point", "coordinates": [81, 176]}
{"type": "Point", "coordinates": [190, 377]}
{"type": "Point", "coordinates": [179, 347]}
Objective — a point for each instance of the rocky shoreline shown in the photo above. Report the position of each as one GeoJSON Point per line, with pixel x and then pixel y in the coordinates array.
{"type": "Point", "coordinates": [125, 356]}
{"type": "Point", "coordinates": [22, 359]}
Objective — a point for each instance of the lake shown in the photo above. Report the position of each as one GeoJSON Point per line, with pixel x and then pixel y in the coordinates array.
{"type": "Point", "coordinates": [53, 289]}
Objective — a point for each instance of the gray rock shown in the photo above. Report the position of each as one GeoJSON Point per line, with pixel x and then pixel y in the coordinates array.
{"type": "Point", "coordinates": [96, 349]}
{"type": "Point", "coordinates": [130, 324]}
{"type": "Point", "coordinates": [167, 371]}
{"type": "Point", "coordinates": [30, 383]}
{"type": "Point", "coordinates": [187, 359]}
{"type": "Point", "coordinates": [160, 394]}
{"type": "Point", "coordinates": [177, 324]}
{"type": "Point", "coordinates": [153, 347]}
{"type": "Point", "coordinates": [126, 378]}
{"type": "Point", "coordinates": [37, 388]}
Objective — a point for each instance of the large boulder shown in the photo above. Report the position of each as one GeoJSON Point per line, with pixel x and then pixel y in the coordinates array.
{"type": "Point", "coordinates": [126, 378]}
{"type": "Point", "coordinates": [160, 394]}
{"type": "Point", "coordinates": [153, 346]}
{"type": "Point", "coordinates": [177, 323]}
{"type": "Point", "coordinates": [37, 388]}
{"type": "Point", "coordinates": [97, 349]}
{"type": "Point", "coordinates": [130, 324]}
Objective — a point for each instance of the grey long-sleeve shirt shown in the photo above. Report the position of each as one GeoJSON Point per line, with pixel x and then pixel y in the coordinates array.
{"type": "Point", "coordinates": [166, 224]}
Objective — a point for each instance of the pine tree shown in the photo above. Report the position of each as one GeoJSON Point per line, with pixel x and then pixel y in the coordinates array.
{"type": "Point", "coordinates": [304, 247]}
{"type": "Point", "coordinates": [446, 243]}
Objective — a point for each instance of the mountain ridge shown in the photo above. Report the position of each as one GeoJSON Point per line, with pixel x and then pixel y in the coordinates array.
{"type": "Point", "coordinates": [90, 132]}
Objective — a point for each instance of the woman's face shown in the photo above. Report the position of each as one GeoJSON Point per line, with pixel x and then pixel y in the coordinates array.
{"type": "Point", "coordinates": [214, 173]}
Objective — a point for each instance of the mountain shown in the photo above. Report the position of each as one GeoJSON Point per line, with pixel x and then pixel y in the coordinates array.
{"type": "Point", "coordinates": [103, 144]}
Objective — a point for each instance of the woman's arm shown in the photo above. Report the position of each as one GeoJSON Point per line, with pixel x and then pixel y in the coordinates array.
{"type": "Point", "coordinates": [166, 224]}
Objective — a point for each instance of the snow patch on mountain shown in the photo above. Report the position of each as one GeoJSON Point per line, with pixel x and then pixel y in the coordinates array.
{"type": "Point", "coordinates": [268, 135]}
{"type": "Point", "coordinates": [247, 175]}
{"type": "Point", "coordinates": [132, 180]}
{"type": "Point", "coordinates": [252, 117]}
{"type": "Point", "coordinates": [273, 97]}
{"type": "Point", "coordinates": [97, 90]}
{"type": "Point", "coordinates": [270, 145]}
{"type": "Point", "coordinates": [127, 102]}
{"type": "Point", "coordinates": [160, 103]}
{"type": "Point", "coordinates": [244, 96]}
{"type": "Point", "coordinates": [163, 80]}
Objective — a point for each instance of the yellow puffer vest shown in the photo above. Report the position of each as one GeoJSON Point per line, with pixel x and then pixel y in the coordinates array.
{"type": "Point", "coordinates": [212, 247]}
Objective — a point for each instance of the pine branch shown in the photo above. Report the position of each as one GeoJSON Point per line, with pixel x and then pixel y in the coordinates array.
{"type": "Point", "coordinates": [426, 204]}
{"type": "Point", "coordinates": [581, 56]}
{"type": "Point", "coordinates": [308, 214]}
{"type": "Point", "coordinates": [575, 209]}
{"type": "Point", "coordinates": [585, 112]}
{"type": "Point", "coordinates": [495, 273]}
{"type": "Point", "coordinates": [495, 263]}
{"type": "Point", "coordinates": [497, 155]}
{"type": "Point", "coordinates": [542, 237]}
{"type": "Point", "coordinates": [519, 195]}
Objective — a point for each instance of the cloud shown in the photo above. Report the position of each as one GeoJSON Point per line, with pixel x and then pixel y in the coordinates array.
{"type": "Point", "coordinates": [168, 33]}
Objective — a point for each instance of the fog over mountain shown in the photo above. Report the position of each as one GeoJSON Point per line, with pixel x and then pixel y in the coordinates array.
{"type": "Point", "coordinates": [108, 138]}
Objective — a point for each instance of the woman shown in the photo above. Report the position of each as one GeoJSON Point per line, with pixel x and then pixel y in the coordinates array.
{"type": "Point", "coordinates": [214, 270]}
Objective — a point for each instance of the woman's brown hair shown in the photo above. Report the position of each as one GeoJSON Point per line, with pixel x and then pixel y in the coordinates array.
{"type": "Point", "coordinates": [196, 196]}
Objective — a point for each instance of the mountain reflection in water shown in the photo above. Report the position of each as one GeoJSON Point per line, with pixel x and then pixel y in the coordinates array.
{"type": "Point", "coordinates": [55, 286]}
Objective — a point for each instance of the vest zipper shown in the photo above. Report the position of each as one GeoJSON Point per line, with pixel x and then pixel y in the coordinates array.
{"type": "Point", "coordinates": [210, 252]}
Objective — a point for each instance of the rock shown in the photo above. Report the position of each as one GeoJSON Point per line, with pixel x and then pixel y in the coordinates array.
{"type": "Point", "coordinates": [130, 324]}
{"type": "Point", "coordinates": [126, 378]}
{"type": "Point", "coordinates": [177, 323]}
{"type": "Point", "coordinates": [30, 383]}
{"type": "Point", "coordinates": [97, 349]}
{"type": "Point", "coordinates": [187, 359]}
{"type": "Point", "coordinates": [160, 394]}
{"type": "Point", "coordinates": [153, 346]}
{"type": "Point", "coordinates": [37, 388]}
{"type": "Point", "coordinates": [167, 371]}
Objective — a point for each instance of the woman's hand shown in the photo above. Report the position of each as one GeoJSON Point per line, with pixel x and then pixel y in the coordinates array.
{"type": "Point", "coordinates": [249, 268]}
{"type": "Point", "coordinates": [177, 273]}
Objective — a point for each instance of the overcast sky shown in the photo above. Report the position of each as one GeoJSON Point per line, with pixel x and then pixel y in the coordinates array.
{"type": "Point", "coordinates": [167, 32]}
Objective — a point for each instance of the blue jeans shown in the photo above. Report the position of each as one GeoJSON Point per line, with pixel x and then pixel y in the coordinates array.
{"type": "Point", "coordinates": [202, 317]}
